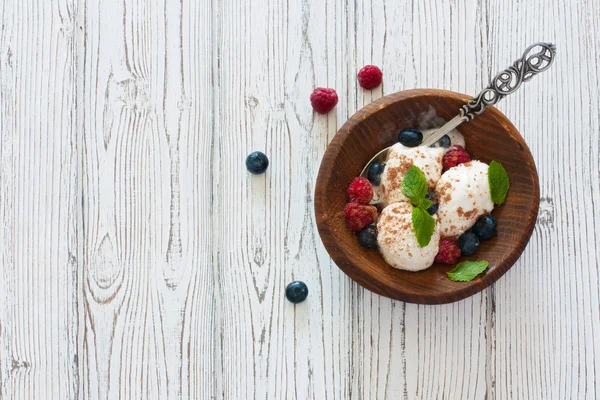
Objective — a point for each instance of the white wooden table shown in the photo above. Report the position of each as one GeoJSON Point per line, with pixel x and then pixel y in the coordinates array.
{"type": "Point", "coordinates": [139, 259]}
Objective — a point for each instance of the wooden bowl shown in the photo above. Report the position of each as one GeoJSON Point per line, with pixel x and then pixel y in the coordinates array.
{"type": "Point", "coordinates": [490, 136]}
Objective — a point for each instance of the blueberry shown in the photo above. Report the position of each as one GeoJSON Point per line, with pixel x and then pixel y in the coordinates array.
{"type": "Point", "coordinates": [257, 162]}
{"type": "Point", "coordinates": [444, 142]}
{"type": "Point", "coordinates": [296, 292]}
{"type": "Point", "coordinates": [368, 237]}
{"type": "Point", "coordinates": [485, 227]}
{"type": "Point", "coordinates": [468, 243]}
{"type": "Point", "coordinates": [410, 137]}
{"type": "Point", "coordinates": [374, 173]}
{"type": "Point", "coordinates": [434, 202]}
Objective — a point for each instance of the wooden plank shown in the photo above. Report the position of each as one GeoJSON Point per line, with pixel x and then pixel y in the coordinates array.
{"type": "Point", "coordinates": [199, 332]}
{"type": "Point", "coordinates": [38, 197]}
{"type": "Point", "coordinates": [271, 57]}
{"type": "Point", "coordinates": [147, 297]}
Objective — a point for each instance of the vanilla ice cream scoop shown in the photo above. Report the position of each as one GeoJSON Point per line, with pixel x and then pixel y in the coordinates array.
{"type": "Point", "coordinates": [464, 195]}
{"type": "Point", "coordinates": [397, 240]}
{"type": "Point", "coordinates": [400, 159]}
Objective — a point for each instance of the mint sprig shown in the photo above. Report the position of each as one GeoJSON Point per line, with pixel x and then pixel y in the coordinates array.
{"type": "Point", "coordinates": [498, 181]}
{"type": "Point", "coordinates": [467, 270]}
{"type": "Point", "coordinates": [414, 186]}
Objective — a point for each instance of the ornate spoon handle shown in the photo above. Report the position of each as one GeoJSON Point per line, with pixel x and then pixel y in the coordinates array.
{"type": "Point", "coordinates": [502, 85]}
{"type": "Point", "coordinates": [509, 80]}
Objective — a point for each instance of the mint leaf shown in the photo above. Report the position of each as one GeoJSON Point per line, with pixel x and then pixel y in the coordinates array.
{"type": "Point", "coordinates": [414, 185]}
{"type": "Point", "coordinates": [425, 204]}
{"type": "Point", "coordinates": [467, 270]}
{"type": "Point", "coordinates": [423, 225]}
{"type": "Point", "coordinates": [498, 181]}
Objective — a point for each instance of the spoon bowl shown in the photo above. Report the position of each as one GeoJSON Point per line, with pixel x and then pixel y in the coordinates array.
{"type": "Point", "coordinates": [489, 137]}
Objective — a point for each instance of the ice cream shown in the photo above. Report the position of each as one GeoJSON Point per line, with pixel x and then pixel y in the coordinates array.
{"type": "Point", "coordinates": [400, 159]}
{"type": "Point", "coordinates": [456, 138]}
{"type": "Point", "coordinates": [463, 193]}
{"type": "Point", "coordinates": [397, 240]}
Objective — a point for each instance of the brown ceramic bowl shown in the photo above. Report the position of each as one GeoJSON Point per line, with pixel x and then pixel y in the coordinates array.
{"type": "Point", "coordinates": [490, 136]}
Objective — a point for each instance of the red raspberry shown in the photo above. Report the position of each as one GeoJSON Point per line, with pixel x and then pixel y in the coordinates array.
{"type": "Point", "coordinates": [369, 77]}
{"type": "Point", "coordinates": [323, 100]}
{"type": "Point", "coordinates": [359, 216]}
{"type": "Point", "coordinates": [454, 156]}
{"type": "Point", "coordinates": [449, 252]}
{"type": "Point", "coordinates": [360, 191]}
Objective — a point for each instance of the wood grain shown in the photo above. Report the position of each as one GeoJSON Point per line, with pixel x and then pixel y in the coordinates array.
{"type": "Point", "coordinates": [140, 260]}
{"type": "Point", "coordinates": [38, 201]}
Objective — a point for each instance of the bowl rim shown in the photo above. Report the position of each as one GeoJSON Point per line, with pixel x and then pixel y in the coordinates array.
{"type": "Point", "coordinates": [358, 274]}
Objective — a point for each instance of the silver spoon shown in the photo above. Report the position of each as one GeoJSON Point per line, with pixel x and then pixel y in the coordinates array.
{"type": "Point", "coordinates": [503, 84]}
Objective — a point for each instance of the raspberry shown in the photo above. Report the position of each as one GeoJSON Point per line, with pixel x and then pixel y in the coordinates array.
{"type": "Point", "coordinates": [323, 100]}
{"type": "Point", "coordinates": [359, 215]}
{"type": "Point", "coordinates": [369, 77]}
{"type": "Point", "coordinates": [448, 253]}
{"type": "Point", "coordinates": [360, 191]}
{"type": "Point", "coordinates": [454, 156]}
